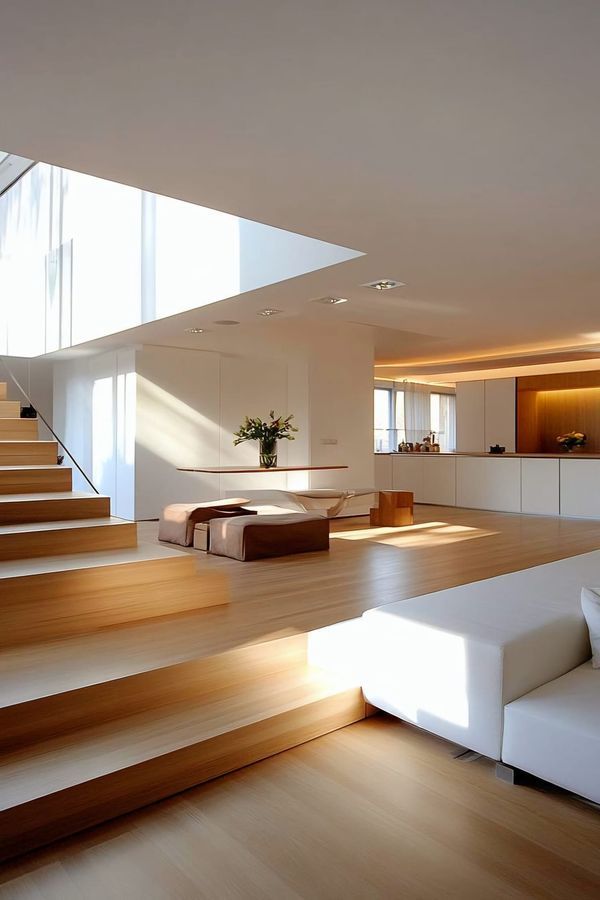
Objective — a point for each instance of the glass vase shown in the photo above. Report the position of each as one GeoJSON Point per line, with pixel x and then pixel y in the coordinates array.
{"type": "Point", "coordinates": [268, 454]}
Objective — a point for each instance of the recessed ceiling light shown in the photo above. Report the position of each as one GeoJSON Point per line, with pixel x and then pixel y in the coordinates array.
{"type": "Point", "coordinates": [226, 322]}
{"type": "Point", "coordinates": [269, 312]}
{"type": "Point", "coordinates": [331, 301]}
{"type": "Point", "coordinates": [384, 284]}
{"type": "Point", "coordinates": [195, 330]}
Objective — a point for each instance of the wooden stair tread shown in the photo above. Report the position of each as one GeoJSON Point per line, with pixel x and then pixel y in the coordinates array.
{"type": "Point", "coordinates": [28, 468]}
{"type": "Point", "coordinates": [21, 568]}
{"type": "Point", "coordinates": [32, 671]}
{"type": "Point", "coordinates": [49, 495]}
{"type": "Point", "coordinates": [62, 525]}
{"type": "Point", "coordinates": [71, 760]}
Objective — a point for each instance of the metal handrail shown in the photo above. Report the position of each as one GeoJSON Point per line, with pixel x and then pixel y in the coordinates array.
{"type": "Point", "coordinates": [47, 424]}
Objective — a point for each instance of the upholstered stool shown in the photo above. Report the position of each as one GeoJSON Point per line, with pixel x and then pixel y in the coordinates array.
{"type": "Point", "coordinates": [177, 520]}
{"type": "Point", "coordinates": [257, 537]}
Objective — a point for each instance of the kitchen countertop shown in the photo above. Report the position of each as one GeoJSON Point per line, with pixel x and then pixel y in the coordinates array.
{"type": "Point", "coordinates": [576, 454]}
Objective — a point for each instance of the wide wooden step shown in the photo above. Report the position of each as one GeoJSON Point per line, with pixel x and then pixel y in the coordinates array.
{"type": "Point", "coordinates": [28, 453]}
{"type": "Point", "coordinates": [55, 788]}
{"type": "Point", "coordinates": [18, 429]}
{"type": "Point", "coordinates": [35, 539]}
{"type": "Point", "coordinates": [52, 506]}
{"type": "Point", "coordinates": [10, 409]}
{"type": "Point", "coordinates": [35, 479]}
{"type": "Point", "coordinates": [53, 597]}
{"type": "Point", "coordinates": [36, 670]}
{"type": "Point", "coordinates": [36, 707]}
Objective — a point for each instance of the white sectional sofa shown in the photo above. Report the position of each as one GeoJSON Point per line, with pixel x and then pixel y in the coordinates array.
{"type": "Point", "coordinates": [498, 666]}
{"type": "Point", "coordinates": [554, 732]}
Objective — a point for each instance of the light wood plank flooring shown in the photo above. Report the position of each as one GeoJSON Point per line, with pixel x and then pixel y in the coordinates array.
{"type": "Point", "coordinates": [368, 567]}
{"type": "Point", "coordinates": [375, 811]}
{"type": "Point", "coordinates": [275, 598]}
{"type": "Point", "coordinates": [287, 596]}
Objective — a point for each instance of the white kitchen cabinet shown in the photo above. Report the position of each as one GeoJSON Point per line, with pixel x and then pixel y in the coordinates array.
{"type": "Point", "coordinates": [408, 474]}
{"type": "Point", "coordinates": [488, 482]}
{"type": "Point", "coordinates": [540, 486]}
{"type": "Point", "coordinates": [383, 472]}
{"type": "Point", "coordinates": [439, 479]}
{"type": "Point", "coordinates": [580, 487]}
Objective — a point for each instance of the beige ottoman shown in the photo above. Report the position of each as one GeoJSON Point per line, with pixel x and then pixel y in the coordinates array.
{"type": "Point", "coordinates": [177, 521]}
{"type": "Point", "coordinates": [257, 537]}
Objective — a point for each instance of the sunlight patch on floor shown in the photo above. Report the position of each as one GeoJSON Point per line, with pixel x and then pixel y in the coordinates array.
{"type": "Point", "coordinates": [427, 534]}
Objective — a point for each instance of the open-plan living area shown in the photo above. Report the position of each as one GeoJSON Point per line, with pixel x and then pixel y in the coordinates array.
{"type": "Point", "coordinates": [299, 450]}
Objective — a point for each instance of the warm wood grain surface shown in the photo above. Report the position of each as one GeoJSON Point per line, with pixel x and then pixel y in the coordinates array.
{"type": "Point", "coordinates": [10, 409]}
{"type": "Point", "coordinates": [12, 429]}
{"type": "Point", "coordinates": [28, 540]}
{"type": "Point", "coordinates": [289, 595]}
{"type": "Point", "coordinates": [52, 506]}
{"type": "Point", "coordinates": [26, 479]}
{"type": "Point", "coordinates": [376, 811]}
{"type": "Point", "coordinates": [28, 453]}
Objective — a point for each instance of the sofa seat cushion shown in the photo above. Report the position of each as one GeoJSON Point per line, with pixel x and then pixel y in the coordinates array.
{"type": "Point", "coordinates": [257, 537]}
{"type": "Point", "coordinates": [451, 660]}
{"type": "Point", "coordinates": [590, 605]}
{"type": "Point", "coordinates": [554, 732]}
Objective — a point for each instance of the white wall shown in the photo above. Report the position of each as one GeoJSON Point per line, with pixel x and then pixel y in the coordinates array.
{"type": "Point", "coordinates": [82, 257]}
{"type": "Point", "coordinates": [132, 417]}
{"type": "Point", "coordinates": [178, 413]}
{"type": "Point", "coordinates": [189, 403]}
{"type": "Point", "coordinates": [341, 409]}
{"type": "Point", "coordinates": [95, 415]}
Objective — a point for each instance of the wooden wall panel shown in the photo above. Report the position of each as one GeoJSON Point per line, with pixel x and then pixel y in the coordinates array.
{"type": "Point", "coordinates": [549, 405]}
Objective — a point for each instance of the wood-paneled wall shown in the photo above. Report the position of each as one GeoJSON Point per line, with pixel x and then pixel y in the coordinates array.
{"type": "Point", "coordinates": [549, 405]}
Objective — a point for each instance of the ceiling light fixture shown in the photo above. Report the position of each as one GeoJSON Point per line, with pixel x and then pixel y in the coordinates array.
{"type": "Point", "coordinates": [331, 301]}
{"type": "Point", "coordinates": [194, 330]}
{"type": "Point", "coordinates": [225, 322]}
{"type": "Point", "coordinates": [384, 284]}
{"type": "Point", "coordinates": [268, 312]}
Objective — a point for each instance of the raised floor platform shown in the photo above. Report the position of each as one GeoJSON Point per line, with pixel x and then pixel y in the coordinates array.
{"type": "Point", "coordinates": [146, 708]}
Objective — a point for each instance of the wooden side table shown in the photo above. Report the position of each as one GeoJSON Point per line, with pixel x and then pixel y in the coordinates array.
{"type": "Point", "coordinates": [395, 508]}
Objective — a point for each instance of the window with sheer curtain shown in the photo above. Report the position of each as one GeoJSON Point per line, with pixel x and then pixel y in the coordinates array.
{"type": "Point", "coordinates": [443, 420]}
{"type": "Point", "coordinates": [412, 413]}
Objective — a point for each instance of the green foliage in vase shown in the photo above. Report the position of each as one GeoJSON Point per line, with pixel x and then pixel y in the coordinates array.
{"type": "Point", "coordinates": [276, 429]}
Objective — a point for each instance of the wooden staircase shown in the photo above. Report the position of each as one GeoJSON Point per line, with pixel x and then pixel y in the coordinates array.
{"type": "Point", "coordinates": [106, 702]}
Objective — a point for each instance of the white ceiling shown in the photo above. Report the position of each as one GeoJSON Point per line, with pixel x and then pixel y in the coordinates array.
{"type": "Point", "coordinates": [456, 143]}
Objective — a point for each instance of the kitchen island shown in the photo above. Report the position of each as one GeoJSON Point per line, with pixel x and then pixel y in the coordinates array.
{"type": "Point", "coordinates": [561, 484]}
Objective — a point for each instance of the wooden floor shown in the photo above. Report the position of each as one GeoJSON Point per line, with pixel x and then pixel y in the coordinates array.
{"type": "Point", "coordinates": [375, 810]}
{"type": "Point", "coordinates": [368, 567]}
{"type": "Point", "coordinates": [270, 599]}
{"type": "Point", "coordinates": [296, 594]}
